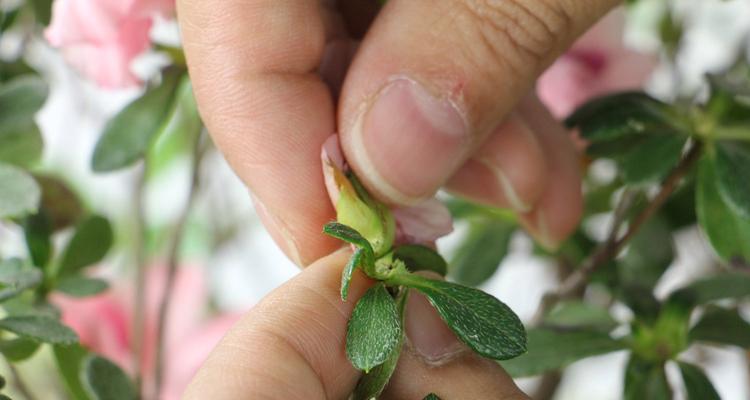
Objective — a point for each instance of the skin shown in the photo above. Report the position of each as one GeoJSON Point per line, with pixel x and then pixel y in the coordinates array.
{"type": "Point", "coordinates": [274, 78]}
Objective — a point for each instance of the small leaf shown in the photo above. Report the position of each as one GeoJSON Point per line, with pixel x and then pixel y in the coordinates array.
{"type": "Point", "coordinates": [70, 364]}
{"type": "Point", "coordinates": [18, 349]}
{"type": "Point", "coordinates": [728, 233]}
{"type": "Point", "coordinates": [346, 274]}
{"type": "Point", "coordinates": [104, 380]}
{"type": "Point", "coordinates": [14, 279]}
{"type": "Point", "coordinates": [59, 202]}
{"type": "Point", "coordinates": [646, 380]}
{"type": "Point", "coordinates": [649, 254]}
{"type": "Point", "coordinates": [20, 193]}
{"type": "Point", "coordinates": [431, 396]}
{"type": "Point", "coordinates": [374, 329]}
{"type": "Point", "coordinates": [420, 258]}
{"type": "Point", "coordinates": [90, 243]}
{"type": "Point", "coordinates": [21, 145]}
{"type": "Point", "coordinates": [37, 231]}
{"type": "Point", "coordinates": [697, 384]}
{"type": "Point", "coordinates": [128, 135]}
{"type": "Point", "coordinates": [484, 323]}
{"type": "Point", "coordinates": [733, 176]}
{"type": "Point", "coordinates": [578, 315]}
{"type": "Point", "coordinates": [652, 159]}
{"type": "Point", "coordinates": [552, 349]}
{"type": "Point", "coordinates": [20, 99]}
{"type": "Point", "coordinates": [717, 287]}
{"type": "Point", "coordinates": [481, 252]}
{"type": "Point", "coordinates": [78, 286]}
{"type": "Point", "coordinates": [349, 235]}
{"type": "Point", "coordinates": [722, 326]}
{"type": "Point", "coordinates": [39, 328]}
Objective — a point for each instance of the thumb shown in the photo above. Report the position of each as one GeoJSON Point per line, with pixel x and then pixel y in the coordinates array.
{"type": "Point", "coordinates": [433, 79]}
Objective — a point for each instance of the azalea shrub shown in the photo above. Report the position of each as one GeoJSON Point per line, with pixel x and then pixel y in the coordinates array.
{"type": "Point", "coordinates": [655, 164]}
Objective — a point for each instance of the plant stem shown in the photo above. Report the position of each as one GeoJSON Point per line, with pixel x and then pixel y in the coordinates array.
{"type": "Point", "coordinates": [173, 263]}
{"type": "Point", "coordinates": [139, 279]}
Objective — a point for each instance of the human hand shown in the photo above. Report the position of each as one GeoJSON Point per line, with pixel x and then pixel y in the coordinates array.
{"type": "Point", "coordinates": [431, 97]}
{"type": "Point", "coordinates": [291, 346]}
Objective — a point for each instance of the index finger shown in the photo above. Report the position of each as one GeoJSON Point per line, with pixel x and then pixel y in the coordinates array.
{"type": "Point", "coordinates": [253, 66]}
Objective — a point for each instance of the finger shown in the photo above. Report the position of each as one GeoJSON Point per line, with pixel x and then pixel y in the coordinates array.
{"type": "Point", "coordinates": [290, 346]}
{"type": "Point", "coordinates": [508, 171]}
{"type": "Point", "coordinates": [253, 65]}
{"type": "Point", "coordinates": [434, 361]}
{"type": "Point", "coordinates": [433, 79]}
{"type": "Point", "coordinates": [560, 206]}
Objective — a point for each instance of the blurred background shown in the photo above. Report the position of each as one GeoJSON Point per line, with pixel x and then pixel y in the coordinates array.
{"type": "Point", "coordinates": [226, 262]}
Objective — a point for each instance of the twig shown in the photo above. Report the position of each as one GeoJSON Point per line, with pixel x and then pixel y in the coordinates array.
{"type": "Point", "coordinates": [139, 280]}
{"type": "Point", "coordinates": [172, 263]}
{"type": "Point", "coordinates": [548, 386]}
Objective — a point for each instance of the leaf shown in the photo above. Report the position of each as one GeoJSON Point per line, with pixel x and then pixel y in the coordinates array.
{"type": "Point", "coordinates": [481, 253]}
{"type": "Point", "coordinates": [697, 384]}
{"type": "Point", "coordinates": [649, 254]}
{"type": "Point", "coordinates": [70, 364]}
{"type": "Point", "coordinates": [42, 10]}
{"type": "Point", "coordinates": [420, 258]}
{"type": "Point", "coordinates": [104, 380]}
{"type": "Point", "coordinates": [90, 243]}
{"type": "Point", "coordinates": [37, 231]}
{"type": "Point", "coordinates": [484, 323]}
{"type": "Point", "coordinates": [59, 202]}
{"type": "Point", "coordinates": [431, 396]}
{"type": "Point", "coordinates": [21, 145]}
{"type": "Point", "coordinates": [728, 233]}
{"type": "Point", "coordinates": [646, 380]}
{"type": "Point", "coordinates": [20, 193]}
{"type": "Point", "coordinates": [552, 349]}
{"type": "Point", "coordinates": [78, 286]}
{"type": "Point", "coordinates": [346, 274]}
{"type": "Point", "coordinates": [18, 349]}
{"type": "Point", "coordinates": [652, 159]}
{"type": "Point", "coordinates": [128, 135]}
{"type": "Point", "coordinates": [722, 326]}
{"type": "Point", "coordinates": [20, 99]}
{"type": "Point", "coordinates": [577, 315]}
{"type": "Point", "coordinates": [374, 329]}
{"type": "Point", "coordinates": [349, 235]}
{"type": "Point", "coordinates": [39, 328]}
{"type": "Point", "coordinates": [14, 279]}
{"type": "Point", "coordinates": [732, 163]}
{"type": "Point", "coordinates": [723, 286]}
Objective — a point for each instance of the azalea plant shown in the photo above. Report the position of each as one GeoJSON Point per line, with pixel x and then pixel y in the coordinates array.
{"type": "Point", "coordinates": [676, 162]}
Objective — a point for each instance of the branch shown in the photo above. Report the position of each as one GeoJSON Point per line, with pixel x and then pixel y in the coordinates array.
{"type": "Point", "coordinates": [139, 280]}
{"type": "Point", "coordinates": [173, 261]}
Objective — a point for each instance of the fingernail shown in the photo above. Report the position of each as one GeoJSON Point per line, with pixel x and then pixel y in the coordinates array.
{"type": "Point", "coordinates": [428, 334]}
{"type": "Point", "coordinates": [409, 141]}
{"type": "Point", "coordinates": [278, 232]}
{"type": "Point", "coordinates": [506, 186]}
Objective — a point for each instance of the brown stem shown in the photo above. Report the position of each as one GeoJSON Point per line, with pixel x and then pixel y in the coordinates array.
{"type": "Point", "coordinates": [139, 279]}
{"type": "Point", "coordinates": [172, 265]}
{"type": "Point", "coordinates": [548, 386]}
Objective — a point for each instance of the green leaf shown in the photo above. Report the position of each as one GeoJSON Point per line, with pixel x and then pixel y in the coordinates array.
{"type": "Point", "coordinates": [722, 326]}
{"type": "Point", "coordinates": [61, 205]}
{"type": "Point", "coordinates": [552, 349]}
{"type": "Point", "coordinates": [481, 252]}
{"type": "Point", "coordinates": [431, 396]}
{"type": "Point", "coordinates": [42, 11]}
{"type": "Point", "coordinates": [78, 286]}
{"type": "Point", "coordinates": [420, 258]}
{"type": "Point", "coordinates": [18, 349]}
{"type": "Point", "coordinates": [374, 329]}
{"type": "Point", "coordinates": [576, 314]}
{"type": "Point", "coordinates": [349, 235]}
{"type": "Point", "coordinates": [649, 254]}
{"type": "Point", "coordinates": [20, 99]}
{"type": "Point", "coordinates": [14, 279]}
{"type": "Point", "coordinates": [70, 361]}
{"type": "Point", "coordinates": [723, 286]}
{"type": "Point", "coordinates": [21, 145]}
{"type": "Point", "coordinates": [39, 328]}
{"type": "Point", "coordinates": [20, 193]}
{"type": "Point", "coordinates": [128, 135]}
{"type": "Point", "coordinates": [370, 385]}
{"type": "Point", "coordinates": [104, 380]}
{"type": "Point", "coordinates": [646, 380]}
{"type": "Point", "coordinates": [346, 274]}
{"type": "Point", "coordinates": [728, 233]}
{"type": "Point", "coordinates": [733, 176]}
{"type": "Point", "coordinates": [90, 243]}
{"type": "Point", "coordinates": [652, 159]}
{"type": "Point", "coordinates": [697, 384]}
{"type": "Point", "coordinates": [484, 323]}
{"type": "Point", "coordinates": [37, 231]}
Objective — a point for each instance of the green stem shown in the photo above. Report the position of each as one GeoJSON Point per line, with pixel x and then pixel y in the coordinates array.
{"type": "Point", "coordinates": [732, 132]}
{"type": "Point", "coordinates": [139, 279]}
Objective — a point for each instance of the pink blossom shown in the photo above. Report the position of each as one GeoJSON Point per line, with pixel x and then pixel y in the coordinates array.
{"type": "Point", "coordinates": [104, 325]}
{"type": "Point", "coordinates": [100, 38]}
{"type": "Point", "coordinates": [597, 63]}
{"type": "Point", "coordinates": [423, 223]}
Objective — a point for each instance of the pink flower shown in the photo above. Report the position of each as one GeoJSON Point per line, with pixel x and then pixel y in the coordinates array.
{"type": "Point", "coordinates": [597, 63]}
{"type": "Point", "coordinates": [104, 325]}
{"type": "Point", "coordinates": [100, 38]}
{"type": "Point", "coordinates": [423, 223]}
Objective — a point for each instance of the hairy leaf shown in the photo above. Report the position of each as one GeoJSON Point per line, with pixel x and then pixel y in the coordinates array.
{"type": "Point", "coordinates": [20, 194]}
{"type": "Point", "coordinates": [39, 328]}
{"type": "Point", "coordinates": [89, 245]}
{"type": "Point", "coordinates": [374, 329]}
{"type": "Point", "coordinates": [104, 380]}
{"type": "Point", "coordinates": [481, 252]}
{"type": "Point", "coordinates": [722, 326]}
{"type": "Point", "coordinates": [420, 258]}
